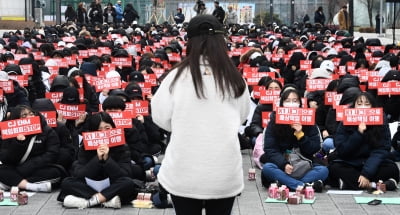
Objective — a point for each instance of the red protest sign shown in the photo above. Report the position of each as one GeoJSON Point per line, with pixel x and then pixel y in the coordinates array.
{"type": "Point", "coordinates": [7, 86]}
{"type": "Point", "coordinates": [257, 91]}
{"type": "Point", "coordinates": [305, 64]}
{"type": "Point", "coordinates": [140, 107]}
{"type": "Point", "coordinates": [54, 96]}
{"type": "Point", "coordinates": [51, 118]}
{"type": "Point", "coordinates": [112, 137]}
{"type": "Point", "coordinates": [389, 88]}
{"type": "Point", "coordinates": [24, 126]}
{"type": "Point", "coordinates": [373, 82]}
{"type": "Point", "coordinates": [328, 98]}
{"type": "Point", "coordinates": [1, 95]}
{"type": "Point", "coordinates": [340, 112]}
{"type": "Point", "coordinates": [107, 83]}
{"type": "Point", "coordinates": [26, 69]}
{"type": "Point", "coordinates": [122, 119]}
{"type": "Point", "coordinates": [317, 84]}
{"type": "Point", "coordinates": [266, 117]}
{"type": "Point", "coordinates": [288, 115]}
{"type": "Point", "coordinates": [21, 79]}
{"type": "Point", "coordinates": [151, 79]}
{"type": "Point", "coordinates": [70, 111]}
{"type": "Point", "coordinates": [370, 116]}
{"type": "Point", "coordinates": [269, 96]}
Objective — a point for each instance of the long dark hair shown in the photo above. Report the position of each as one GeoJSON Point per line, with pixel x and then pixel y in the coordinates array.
{"type": "Point", "coordinates": [284, 132]}
{"type": "Point", "coordinates": [213, 48]}
{"type": "Point", "coordinates": [374, 133]}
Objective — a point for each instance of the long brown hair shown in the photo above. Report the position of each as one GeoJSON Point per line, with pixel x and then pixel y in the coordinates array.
{"type": "Point", "coordinates": [212, 48]}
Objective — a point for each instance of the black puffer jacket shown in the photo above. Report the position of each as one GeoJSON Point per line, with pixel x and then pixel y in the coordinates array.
{"type": "Point", "coordinates": [45, 150]}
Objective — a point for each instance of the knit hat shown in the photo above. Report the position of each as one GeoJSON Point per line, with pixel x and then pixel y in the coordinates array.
{"type": "Point", "coordinates": [113, 102]}
{"type": "Point", "coordinates": [43, 104]}
{"type": "Point", "coordinates": [204, 25]}
{"type": "Point", "coordinates": [320, 73]}
{"type": "Point", "coordinates": [327, 65]}
{"type": "Point", "coordinates": [70, 96]}
{"type": "Point", "coordinates": [89, 68]}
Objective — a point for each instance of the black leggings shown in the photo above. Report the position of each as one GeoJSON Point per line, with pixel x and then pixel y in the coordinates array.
{"type": "Point", "coordinates": [350, 174]}
{"type": "Point", "coordinates": [184, 206]}
{"type": "Point", "coordinates": [10, 176]}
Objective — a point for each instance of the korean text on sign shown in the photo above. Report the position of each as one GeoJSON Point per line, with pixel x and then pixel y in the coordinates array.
{"type": "Point", "coordinates": [287, 115]}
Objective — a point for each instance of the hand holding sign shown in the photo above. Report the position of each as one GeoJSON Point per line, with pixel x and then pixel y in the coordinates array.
{"type": "Point", "coordinates": [102, 152]}
{"type": "Point", "coordinates": [362, 127]}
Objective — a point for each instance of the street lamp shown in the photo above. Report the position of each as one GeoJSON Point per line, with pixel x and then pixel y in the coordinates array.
{"type": "Point", "coordinates": [291, 12]}
{"type": "Point", "coordinates": [271, 11]}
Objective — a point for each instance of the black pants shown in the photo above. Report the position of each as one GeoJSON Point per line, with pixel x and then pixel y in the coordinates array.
{"type": "Point", "coordinates": [350, 174]}
{"type": "Point", "coordinates": [185, 206]}
{"type": "Point", "coordinates": [123, 187]}
{"type": "Point", "coordinates": [10, 176]}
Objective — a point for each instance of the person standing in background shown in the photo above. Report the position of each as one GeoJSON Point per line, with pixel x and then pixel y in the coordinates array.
{"type": "Point", "coordinates": [179, 16]}
{"type": "Point", "coordinates": [231, 17]}
{"type": "Point", "coordinates": [344, 19]}
{"type": "Point", "coordinates": [82, 17]}
{"type": "Point", "coordinates": [202, 103]}
{"type": "Point", "coordinates": [119, 11]}
{"type": "Point", "coordinates": [70, 14]}
{"type": "Point", "coordinates": [219, 12]}
{"type": "Point", "coordinates": [200, 7]}
{"type": "Point", "coordinates": [319, 16]}
{"type": "Point", "coordinates": [378, 22]}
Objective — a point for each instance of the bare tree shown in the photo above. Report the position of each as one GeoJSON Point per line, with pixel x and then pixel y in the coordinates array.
{"type": "Point", "coordinates": [370, 4]}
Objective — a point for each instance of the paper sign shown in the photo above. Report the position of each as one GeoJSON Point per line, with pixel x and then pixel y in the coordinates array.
{"type": "Point", "coordinates": [26, 69]}
{"type": "Point", "coordinates": [51, 118]}
{"type": "Point", "coordinates": [54, 96]}
{"type": "Point", "coordinates": [317, 84]}
{"type": "Point", "coordinates": [140, 107]}
{"type": "Point", "coordinates": [8, 86]}
{"type": "Point", "coordinates": [70, 111]}
{"type": "Point", "coordinates": [269, 96]}
{"type": "Point", "coordinates": [287, 115]}
{"type": "Point", "coordinates": [25, 126]}
{"type": "Point", "coordinates": [1, 95]}
{"type": "Point", "coordinates": [107, 83]}
{"type": "Point", "coordinates": [328, 98]}
{"type": "Point", "coordinates": [370, 116]}
{"type": "Point", "coordinates": [266, 117]}
{"type": "Point", "coordinates": [389, 88]}
{"type": "Point", "coordinates": [257, 91]}
{"type": "Point", "coordinates": [122, 119]}
{"type": "Point", "coordinates": [112, 137]}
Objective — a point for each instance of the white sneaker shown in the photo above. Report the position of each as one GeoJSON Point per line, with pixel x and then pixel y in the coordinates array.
{"type": "Point", "coordinates": [44, 187]}
{"type": "Point", "coordinates": [113, 203]}
{"type": "Point", "coordinates": [71, 201]}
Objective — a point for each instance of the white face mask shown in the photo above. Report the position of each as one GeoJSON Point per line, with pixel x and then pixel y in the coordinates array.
{"type": "Point", "coordinates": [291, 104]}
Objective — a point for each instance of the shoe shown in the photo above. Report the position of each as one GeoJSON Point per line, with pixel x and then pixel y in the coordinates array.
{"type": "Point", "coordinates": [150, 177]}
{"type": "Point", "coordinates": [391, 184]}
{"type": "Point", "coordinates": [44, 187]}
{"type": "Point", "coordinates": [113, 203]}
{"type": "Point", "coordinates": [318, 186]}
{"type": "Point", "coordinates": [71, 201]}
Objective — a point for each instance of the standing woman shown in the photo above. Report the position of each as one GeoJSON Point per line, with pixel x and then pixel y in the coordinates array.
{"type": "Point", "coordinates": [70, 14]}
{"type": "Point", "coordinates": [202, 102]}
{"type": "Point", "coordinates": [363, 153]}
{"type": "Point", "coordinates": [82, 17]}
{"type": "Point", "coordinates": [104, 163]}
{"type": "Point", "coordinates": [319, 16]}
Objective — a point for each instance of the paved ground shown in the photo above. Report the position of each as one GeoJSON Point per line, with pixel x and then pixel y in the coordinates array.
{"type": "Point", "coordinates": [251, 202]}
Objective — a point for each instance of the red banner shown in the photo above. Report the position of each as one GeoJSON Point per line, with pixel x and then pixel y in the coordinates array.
{"type": "Point", "coordinates": [7, 86]}
{"type": "Point", "coordinates": [389, 88]}
{"type": "Point", "coordinates": [122, 119]}
{"type": "Point", "coordinates": [140, 107]}
{"type": "Point", "coordinates": [70, 111]}
{"type": "Point", "coordinates": [24, 126]}
{"type": "Point", "coordinates": [266, 117]}
{"type": "Point", "coordinates": [107, 83]}
{"type": "Point", "coordinates": [269, 96]}
{"type": "Point", "coordinates": [304, 116]}
{"type": "Point", "coordinates": [112, 137]}
{"type": "Point", "coordinates": [21, 79]}
{"type": "Point", "coordinates": [370, 116]}
{"type": "Point", "coordinates": [54, 96]}
{"type": "Point", "coordinates": [51, 118]}
{"type": "Point", "coordinates": [317, 84]}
